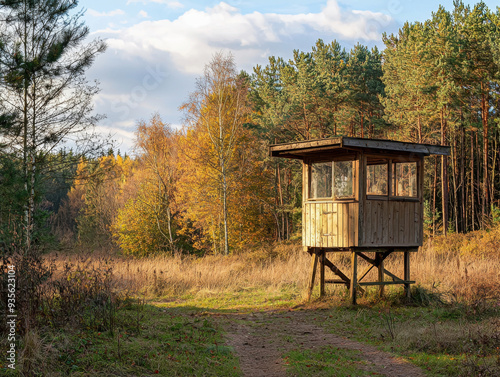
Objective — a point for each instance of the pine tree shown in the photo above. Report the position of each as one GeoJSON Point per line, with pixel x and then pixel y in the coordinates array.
{"type": "Point", "coordinates": [43, 60]}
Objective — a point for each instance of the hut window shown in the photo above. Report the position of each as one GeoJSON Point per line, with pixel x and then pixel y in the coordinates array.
{"type": "Point", "coordinates": [405, 179]}
{"type": "Point", "coordinates": [343, 179]}
{"type": "Point", "coordinates": [321, 180]}
{"type": "Point", "coordinates": [376, 178]}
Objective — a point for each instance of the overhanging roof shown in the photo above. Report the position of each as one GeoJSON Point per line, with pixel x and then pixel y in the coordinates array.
{"type": "Point", "coordinates": [304, 149]}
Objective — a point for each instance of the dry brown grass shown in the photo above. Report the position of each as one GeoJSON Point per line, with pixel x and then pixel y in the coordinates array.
{"type": "Point", "coordinates": [465, 265]}
{"type": "Point", "coordinates": [460, 272]}
{"type": "Point", "coordinates": [276, 267]}
{"type": "Point", "coordinates": [454, 273]}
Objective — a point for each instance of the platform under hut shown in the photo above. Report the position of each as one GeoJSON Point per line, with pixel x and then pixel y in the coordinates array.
{"type": "Point", "coordinates": [360, 196]}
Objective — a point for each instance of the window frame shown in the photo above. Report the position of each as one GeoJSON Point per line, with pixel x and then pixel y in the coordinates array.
{"type": "Point", "coordinates": [394, 162]}
{"type": "Point", "coordinates": [390, 162]}
{"type": "Point", "coordinates": [385, 161]}
{"type": "Point", "coordinates": [310, 165]}
{"type": "Point", "coordinates": [350, 158]}
{"type": "Point", "coordinates": [361, 161]}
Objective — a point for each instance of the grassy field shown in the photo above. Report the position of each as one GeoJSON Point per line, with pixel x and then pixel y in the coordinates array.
{"type": "Point", "coordinates": [325, 362]}
{"type": "Point", "coordinates": [168, 315]}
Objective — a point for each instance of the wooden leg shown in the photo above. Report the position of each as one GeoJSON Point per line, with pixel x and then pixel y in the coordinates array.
{"type": "Point", "coordinates": [354, 279]}
{"type": "Point", "coordinates": [314, 263]}
{"type": "Point", "coordinates": [380, 266]}
{"type": "Point", "coordinates": [407, 272]}
{"type": "Point", "coordinates": [322, 274]}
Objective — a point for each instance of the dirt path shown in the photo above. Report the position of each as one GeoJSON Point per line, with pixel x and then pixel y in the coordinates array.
{"type": "Point", "coordinates": [260, 340]}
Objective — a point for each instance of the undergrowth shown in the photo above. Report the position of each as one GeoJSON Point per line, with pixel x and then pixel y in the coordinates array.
{"type": "Point", "coordinates": [81, 312]}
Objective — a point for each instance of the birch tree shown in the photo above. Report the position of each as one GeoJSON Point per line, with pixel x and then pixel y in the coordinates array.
{"type": "Point", "coordinates": [218, 106]}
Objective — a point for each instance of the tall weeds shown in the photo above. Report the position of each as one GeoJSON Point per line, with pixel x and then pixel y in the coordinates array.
{"type": "Point", "coordinates": [50, 296]}
{"type": "Point", "coordinates": [452, 274]}
{"type": "Point", "coordinates": [31, 273]}
{"type": "Point", "coordinates": [81, 290]}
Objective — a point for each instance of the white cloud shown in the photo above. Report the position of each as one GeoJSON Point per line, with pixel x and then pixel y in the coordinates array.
{"type": "Point", "coordinates": [152, 66]}
{"type": "Point", "coordinates": [192, 38]}
{"type": "Point", "coordinates": [175, 5]}
{"type": "Point", "coordinates": [170, 3]}
{"type": "Point", "coordinates": [124, 139]}
{"type": "Point", "coordinates": [143, 14]}
{"type": "Point", "coordinates": [107, 31]}
{"type": "Point", "coordinates": [116, 12]}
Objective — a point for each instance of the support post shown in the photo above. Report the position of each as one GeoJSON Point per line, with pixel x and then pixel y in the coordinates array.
{"type": "Point", "coordinates": [354, 279]}
{"type": "Point", "coordinates": [314, 263]}
{"type": "Point", "coordinates": [322, 273]}
{"type": "Point", "coordinates": [380, 266]}
{"type": "Point", "coordinates": [406, 276]}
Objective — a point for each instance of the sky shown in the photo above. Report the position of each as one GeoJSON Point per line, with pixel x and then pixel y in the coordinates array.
{"type": "Point", "coordinates": [157, 48]}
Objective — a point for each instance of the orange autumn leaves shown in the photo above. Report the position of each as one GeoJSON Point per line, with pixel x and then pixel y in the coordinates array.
{"type": "Point", "coordinates": [204, 188]}
{"type": "Point", "coordinates": [220, 159]}
{"type": "Point", "coordinates": [146, 223]}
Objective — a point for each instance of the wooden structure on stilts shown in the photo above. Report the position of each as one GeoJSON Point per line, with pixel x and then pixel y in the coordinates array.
{"type": "Point", "coordinates": [360, 196]}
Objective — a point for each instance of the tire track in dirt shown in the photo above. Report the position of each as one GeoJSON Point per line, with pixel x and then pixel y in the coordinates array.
{"type": "Point", "coordinates": [261, 339]}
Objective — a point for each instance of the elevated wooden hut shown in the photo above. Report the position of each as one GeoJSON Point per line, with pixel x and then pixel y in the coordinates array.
{"type": "Point", "coordinates": [359, 196]}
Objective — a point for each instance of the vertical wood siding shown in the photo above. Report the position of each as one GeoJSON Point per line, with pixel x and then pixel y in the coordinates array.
{"type": "Point", "coordinates": [391, 223]}
{"type": "Point", "coordinates": [327, 224]}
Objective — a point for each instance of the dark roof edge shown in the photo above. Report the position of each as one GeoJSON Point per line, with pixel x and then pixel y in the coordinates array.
{"type": "Point", "coordinates": [279, 150]}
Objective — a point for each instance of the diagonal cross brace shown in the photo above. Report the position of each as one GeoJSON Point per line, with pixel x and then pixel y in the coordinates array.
{"type": "Point", "coordinates": [376, 263]}
{"type": "Point", "coordinates": [337, 272]}
{"type": "Point", "coordinates": [340, 274]}
{"type": "Point", "coordinates": [373, 263]}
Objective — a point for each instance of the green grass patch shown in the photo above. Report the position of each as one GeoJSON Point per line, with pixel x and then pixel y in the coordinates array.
{"type": "Point", "coordinates": [147, 341]}
{"type": "Point", "coordinates": [443, 340]}
{"type": "Point", "coordinates": [464, 365]}
{"type": "Point", "coordinates": [438, 364]}
{"type": "Point", "coordinates": [326, 361]}
{"type": "Point", "coordinates": [251, 299]}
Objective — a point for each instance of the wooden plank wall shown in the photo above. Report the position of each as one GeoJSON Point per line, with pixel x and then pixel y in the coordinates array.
{"type": "Point", "coordinates": [391, 223]}
{"type": "Point", "coordinates": [329, 224]}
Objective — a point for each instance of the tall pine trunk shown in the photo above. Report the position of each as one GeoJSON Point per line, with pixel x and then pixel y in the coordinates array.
{"type": "Point", "coordinates": [26, 150]}
{"type": "Point", "coordinates": [444, 176]}
{"type": "Point", "coordinates": [434, 196]}
{"type": "Point", "coordinates": [455, 176]}
{"type": "Point", "coordinates": [362, 122]}
{"type": "Point", "coordinates": [486, 185]}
